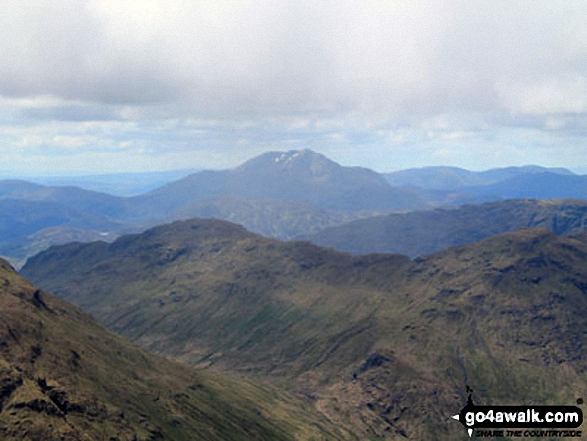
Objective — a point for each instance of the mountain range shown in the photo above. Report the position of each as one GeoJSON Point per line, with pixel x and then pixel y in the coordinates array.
{"type": "Point", "coordinates": [280, 194]}
{"type": "Point", "coordinates": [27, 208]}
{"type": "Point", "coordinates": [117, 184]}
{"type": "Point", "coordinates": [455, 178]}
{"type": "Point", "coordinates": [290, 176]}
{"type": "Point", "coordinates": [298, 191]}
{"type": "Point", "coordinates": [422, 232]}
{"type": "Point", "coordinates": [539, 186]}
{"type": "Point", "coordinates": [379, 342]}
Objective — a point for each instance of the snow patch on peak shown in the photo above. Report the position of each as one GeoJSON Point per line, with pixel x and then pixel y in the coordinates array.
{"type": "Point", "coordinates": [287, 157]}
{"type": "Point", "coordinates": [281, 158]}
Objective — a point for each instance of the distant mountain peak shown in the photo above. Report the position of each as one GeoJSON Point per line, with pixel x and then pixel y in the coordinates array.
{"type": "Point", "coordinates": [305, 164]}
{"type": "Point", "coordinates": [294, 175]}
{"type": "Point", "coordinates": [288, 159]}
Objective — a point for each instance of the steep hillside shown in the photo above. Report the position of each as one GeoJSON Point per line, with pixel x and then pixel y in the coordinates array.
{"type": "Point", "coordinates": [379, 341]}
{"type": "Point", "coordinates": [212, 271]}
{"type": "Point", "coordinates": [62, 376]}
{"type": "Point", "coordinates": [422, 232]}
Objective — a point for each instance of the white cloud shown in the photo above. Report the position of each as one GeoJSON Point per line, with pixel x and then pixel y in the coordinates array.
{"type": "Point", "coordinates": [284, 57]}
{"type": "Point", "coordinates": [442, 153]}
{"type": "Point", "coordinates": [73, 141]}
{"type": "Point", "coordinates": [208, 74]}
{"type": "Point", "coordinates": [561, 95]}
{"type": "Point", "coordinates": [451, 136]}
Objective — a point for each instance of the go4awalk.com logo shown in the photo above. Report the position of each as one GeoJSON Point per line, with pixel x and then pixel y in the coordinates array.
{"type": "Point", "coordinates": [521, 421]}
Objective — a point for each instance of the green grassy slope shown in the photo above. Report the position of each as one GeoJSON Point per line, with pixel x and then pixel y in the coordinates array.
{"type": "Point", "coordinates": [175, 288]}
{"type": "Point", "coordinates": [379, 342]}
{"type": "Point", "coordinates": [62, 376]}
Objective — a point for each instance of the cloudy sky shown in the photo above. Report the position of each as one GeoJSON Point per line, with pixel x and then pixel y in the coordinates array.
{"type": "Point", "coordinates": [93, 86]}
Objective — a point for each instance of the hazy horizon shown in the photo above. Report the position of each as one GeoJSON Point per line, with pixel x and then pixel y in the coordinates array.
{"type": "Point", "coordinates": [4, 174]}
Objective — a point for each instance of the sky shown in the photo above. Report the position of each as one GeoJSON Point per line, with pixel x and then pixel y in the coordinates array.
{"type": "Point", "coordinates": [104, 86]}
